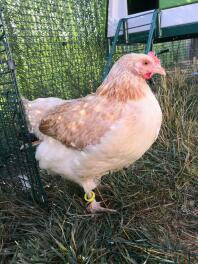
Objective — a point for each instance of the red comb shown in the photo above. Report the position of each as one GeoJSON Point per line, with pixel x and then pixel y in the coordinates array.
{"type": "Point", "coordinates": [155, 58]}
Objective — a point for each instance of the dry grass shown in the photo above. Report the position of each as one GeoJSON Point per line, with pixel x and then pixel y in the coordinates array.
{"type": "Point", "coordinates": [156, 201]}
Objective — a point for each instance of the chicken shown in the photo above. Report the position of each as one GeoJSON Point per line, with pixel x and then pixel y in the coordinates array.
{"type": "Point", "coordinates": [86, 138]}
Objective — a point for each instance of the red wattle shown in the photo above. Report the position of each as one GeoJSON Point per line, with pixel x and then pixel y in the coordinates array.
{"type": "Point", "coordinates": [147, 76]}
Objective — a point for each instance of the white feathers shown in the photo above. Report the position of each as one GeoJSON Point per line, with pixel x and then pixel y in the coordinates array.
{"type": "Point", "coordinates": [129, 139]}
{"type": "Point", "coordinates": [35, 110]}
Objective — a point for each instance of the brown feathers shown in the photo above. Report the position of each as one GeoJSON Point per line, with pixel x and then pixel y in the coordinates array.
{"type": "Point", "coordinates": [122, 89]}
{"type": "Point", "coordinates": [80, 123]}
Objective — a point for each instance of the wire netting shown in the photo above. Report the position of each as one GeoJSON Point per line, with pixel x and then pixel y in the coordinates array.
{"type": "Point", "coordinates": [14, 161]}
{"type": "Point", "coordinates": [58, 48]}
{"type": "Point", "coordinates": [58, 45]}
{"type": "Point", "coordinates": [181, 54]}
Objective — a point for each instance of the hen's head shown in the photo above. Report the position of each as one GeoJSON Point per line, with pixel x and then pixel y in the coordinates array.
{"type": "Point", "coordinates": [126, 80]}
{"type": "Point", "coordinates": [142, 65]}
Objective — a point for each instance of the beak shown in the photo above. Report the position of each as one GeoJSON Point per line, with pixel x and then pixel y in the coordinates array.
{"type": "Point", "coordinates": [159, 70]}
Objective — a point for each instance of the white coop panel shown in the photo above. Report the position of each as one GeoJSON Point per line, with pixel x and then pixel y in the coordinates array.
{"type": "Point", "coordinates": [117, 10]}
{"type": "Point", "coordinates": [181, 15]}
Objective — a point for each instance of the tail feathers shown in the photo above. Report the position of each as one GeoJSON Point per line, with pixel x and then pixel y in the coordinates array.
{"type": "Point", "coordinates": [25, 103]}
{"type": "Point", "coordinates": [24, 100]}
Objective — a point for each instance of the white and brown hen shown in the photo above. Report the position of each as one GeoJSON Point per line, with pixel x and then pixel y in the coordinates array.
{"type": "Point", "coordinates": [86, 138]}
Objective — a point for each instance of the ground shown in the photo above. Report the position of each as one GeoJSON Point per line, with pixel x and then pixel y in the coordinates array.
{"type": "Point", "coordinates": [156, 219]}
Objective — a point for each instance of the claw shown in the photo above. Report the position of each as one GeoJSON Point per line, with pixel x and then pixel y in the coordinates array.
{"type": "Point", "coordinates": [95, 207]}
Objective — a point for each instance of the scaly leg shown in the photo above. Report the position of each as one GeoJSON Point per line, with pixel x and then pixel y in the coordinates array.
{"type": "Point", "coordinates": [92, 205]}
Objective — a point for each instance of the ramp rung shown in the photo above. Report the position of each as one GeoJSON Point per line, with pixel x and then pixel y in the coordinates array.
{"type": "Point", "coordinates": [123, 27]}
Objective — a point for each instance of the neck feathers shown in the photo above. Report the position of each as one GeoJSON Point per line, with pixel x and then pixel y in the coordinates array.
{"type": "Point", "coordinates": [123, 87]}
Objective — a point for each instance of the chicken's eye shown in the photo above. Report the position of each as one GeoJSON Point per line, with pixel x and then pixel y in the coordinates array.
{"type": "Point", "coordinates": [146, 63]}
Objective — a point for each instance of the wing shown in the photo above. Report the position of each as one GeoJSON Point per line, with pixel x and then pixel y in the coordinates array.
{"type": "Point", "coordinates": [81, 122]}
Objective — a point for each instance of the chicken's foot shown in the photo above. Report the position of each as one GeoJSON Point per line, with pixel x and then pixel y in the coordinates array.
{"type": "Point", "coordinates": [95, 207]}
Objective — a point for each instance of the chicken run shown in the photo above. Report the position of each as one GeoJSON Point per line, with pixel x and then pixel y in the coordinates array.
{"type": "Point", "coordinates": [59, 50]}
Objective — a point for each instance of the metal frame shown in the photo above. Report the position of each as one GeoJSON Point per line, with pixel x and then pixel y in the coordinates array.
{"type": "Point", "coordinates": [125, 37]}
{"type": "Point", "coordinates": [12, 97]}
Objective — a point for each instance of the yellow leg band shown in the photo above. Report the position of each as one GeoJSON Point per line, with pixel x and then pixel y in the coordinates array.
{"type": "Point", "coordinates": [90, 199]}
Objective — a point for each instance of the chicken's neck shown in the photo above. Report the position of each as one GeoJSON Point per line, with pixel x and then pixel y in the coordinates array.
{"type": "Point", "coordinates": [123, 87]}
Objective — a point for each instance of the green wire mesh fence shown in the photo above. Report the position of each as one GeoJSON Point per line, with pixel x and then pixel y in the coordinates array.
{"type": "Point", "coordinates": [182, 54]}
{"type": "Point", "coordinates": [18, 170]}
{"type": "Point", "coordinates": [55, 48]}
{"type": "Point", "coordinates": [58, 45]}
{"type": "Point", "coordinates": [48, 48]}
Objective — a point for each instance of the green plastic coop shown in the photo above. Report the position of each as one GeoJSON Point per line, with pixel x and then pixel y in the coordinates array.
{"type": "Point", "coordinates": [137, 25]}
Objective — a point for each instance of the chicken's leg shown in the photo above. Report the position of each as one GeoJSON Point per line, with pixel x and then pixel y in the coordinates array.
{"type": "Point", "coordinates": [95, 207]}
{"type": "Point", "coordinates": [92, 205]}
